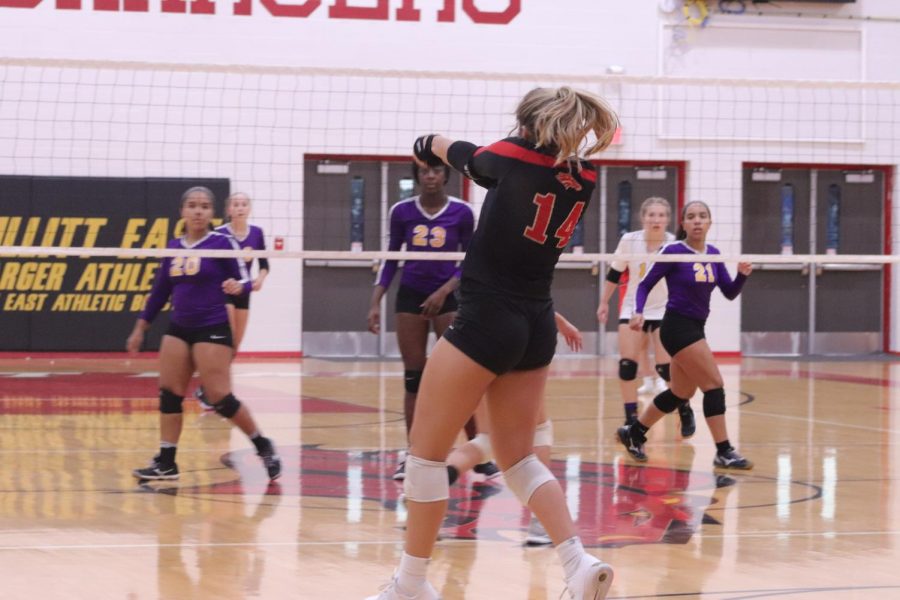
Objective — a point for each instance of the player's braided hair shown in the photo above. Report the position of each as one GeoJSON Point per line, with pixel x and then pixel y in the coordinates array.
{"type": "Point", "coordinates": [560, 119]}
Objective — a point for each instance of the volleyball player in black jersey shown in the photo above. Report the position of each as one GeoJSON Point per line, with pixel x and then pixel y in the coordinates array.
{"type": "Point", "coordinates": [504, 335]}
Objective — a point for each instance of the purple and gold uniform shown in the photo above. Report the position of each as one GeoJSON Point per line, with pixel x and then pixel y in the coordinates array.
{"type": "Point", "coordinates": [448, 230]}
{"type": "Point", "coordinates": [690, 287]}
{"type": "Point", "coordinates": [195, 284]}
{"type": "Point", "coordinates": [506, 318]}
{"type": "Point", "coordinates": [255, 239]}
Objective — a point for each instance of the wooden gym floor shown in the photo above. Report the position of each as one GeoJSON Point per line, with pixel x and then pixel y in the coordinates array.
{"type": "Point", "coordinates": [819, 516]}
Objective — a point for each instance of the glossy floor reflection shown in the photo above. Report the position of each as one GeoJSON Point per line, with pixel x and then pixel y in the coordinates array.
{"type": "Point", "coordinates": [818, 518]}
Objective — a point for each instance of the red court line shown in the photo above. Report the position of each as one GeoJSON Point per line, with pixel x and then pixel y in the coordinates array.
{"type": "Point", "coordinates": [86, 355]}
{"type": "Point", "coordinates": [838, 377]}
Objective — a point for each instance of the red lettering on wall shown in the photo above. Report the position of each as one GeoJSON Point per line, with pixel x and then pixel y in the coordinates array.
{"type": "Point", "coordinates": [203, 7]}
{"type": "Point", "coordinates": [340, 10]}
{"type": "Point", "coordinates": [128, 6]}
{"type": "Point", "coordinates": [137, 6]}
{"type": "Point", "coordinates": [448, 13]}
{"type": "Point", "coordinates": [174, 6]}
{"type": "Point", "coordinates": [408, 11]}
{"type": "Point", "coordinates": [291, 10]}
{"type": "Point", "coordinates": [492, 18]}
{"type": "Point", "coordinates": [198, 7]}
{"type": "Point", "coordinates": [19, 3]}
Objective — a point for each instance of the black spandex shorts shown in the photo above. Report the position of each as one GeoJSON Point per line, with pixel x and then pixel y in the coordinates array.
{"type": "Point", "coordinates": [213, 334]}
{"type": "Point", "coordinates": [410, 301]}
{"type": "Point", "coordinates": [503, 333]}
{"type": "Point", "coordinates": [678, 332]}
{"type": "Point", "coordinates": [242, 301]}
{"type": "Point", "coordinates": [649, 326]}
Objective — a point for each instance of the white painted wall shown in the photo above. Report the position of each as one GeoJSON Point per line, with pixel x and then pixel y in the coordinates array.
{"type": "Point", "coordinates": [254, 124]}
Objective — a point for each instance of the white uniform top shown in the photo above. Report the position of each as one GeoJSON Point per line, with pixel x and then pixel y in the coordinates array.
{"type": "Point", "coordinates": [635, 242]}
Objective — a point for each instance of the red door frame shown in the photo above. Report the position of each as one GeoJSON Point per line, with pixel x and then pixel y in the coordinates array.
{"type": "Point", "coordinates": [888, 179]}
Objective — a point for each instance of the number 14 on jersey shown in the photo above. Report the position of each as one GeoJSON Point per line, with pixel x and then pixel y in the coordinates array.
{"type": "Point", "coordinates": [537, 231]}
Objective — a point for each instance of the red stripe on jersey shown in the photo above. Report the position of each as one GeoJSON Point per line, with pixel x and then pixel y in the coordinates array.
{"type": "Point", "coordinates": [510, 150]}
{"type": "Point", "coordinates": [623, 289]}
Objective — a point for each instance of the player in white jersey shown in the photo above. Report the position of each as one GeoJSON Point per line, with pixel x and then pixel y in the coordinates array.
{"type": "Point", "coordinates": [655, 216]}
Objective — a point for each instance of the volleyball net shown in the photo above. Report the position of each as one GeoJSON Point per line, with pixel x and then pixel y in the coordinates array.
{"type": "Point", "coordinates": [94, 156]}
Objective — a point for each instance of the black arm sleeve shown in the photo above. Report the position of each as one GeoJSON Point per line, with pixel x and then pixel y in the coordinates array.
{"type": "Point", "coordinates": [264, 264]}
{"type": "Point", "coordinates": [459, 154]}
{"type": "Point", "coordinates": [613, 276]}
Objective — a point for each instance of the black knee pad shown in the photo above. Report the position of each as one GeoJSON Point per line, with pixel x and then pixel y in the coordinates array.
{"type": "Point", "coordinates": [714, 403]}
{"type": "Point", "coordinates": [627, 369]}
{"type": "Point", "coordinates": [667, 401]}
{"type": "Point", "coordinates": [664, 371]}
{"type": "Point", "coordinates": [227, 406]}
{"type": "Point", "coordinates": [411, 381]}
{"type": "Point", "coordinates": [170, 403]}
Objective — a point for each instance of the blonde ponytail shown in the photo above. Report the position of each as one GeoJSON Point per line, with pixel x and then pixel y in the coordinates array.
{"type": "Point", "coordinates": [561, 119]}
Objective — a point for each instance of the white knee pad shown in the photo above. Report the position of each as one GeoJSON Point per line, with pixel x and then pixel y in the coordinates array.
{"type": "Point", "coordinates": [426, 480]}
{"type": "Point", "coordinates": [482, 441]}
{"type": "Point", "coordinates": [526, 476]}
{"type": "Point", "coordinates": [543, 435]}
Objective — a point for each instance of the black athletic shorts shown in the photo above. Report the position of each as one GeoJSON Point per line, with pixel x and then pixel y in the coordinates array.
{"type": "Point", "coordinates": [213, 334]}
{"type": "Point", "coordinates": [649, 326]}
{"type": "Point", "coordinates": [678, 332]}
{"type": "Point", "coordinates": [242, 301]}
{"type": "Point", "coordinates": [503, 333]}
{"type": "Point", "coordinates": [410, 301]}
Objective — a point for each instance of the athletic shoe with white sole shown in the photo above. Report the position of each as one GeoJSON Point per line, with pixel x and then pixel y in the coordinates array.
{"type": "Point", "coordinates": [635, 447]}
{"type": "Point", "coordinates": [157, 472]}
{"type": "Point", "coordinates": [591, 581]}
{"type": "Point", "coordinates": [732, 460]}
{"type": "Point", "coordinates": [391, 591]}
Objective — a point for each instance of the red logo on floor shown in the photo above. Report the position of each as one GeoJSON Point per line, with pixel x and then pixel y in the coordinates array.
{"type": "Point", "coordinates": [613, 505]}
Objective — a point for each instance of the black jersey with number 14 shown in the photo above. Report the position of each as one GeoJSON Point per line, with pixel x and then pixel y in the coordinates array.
{"type": "Point", "coordinates": [529, 215]}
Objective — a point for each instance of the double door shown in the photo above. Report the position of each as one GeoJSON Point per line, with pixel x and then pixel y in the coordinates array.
{"type": "Point", "coordinates": [802, 309]}
{"type": "Point", "coordinates": [346, 206]}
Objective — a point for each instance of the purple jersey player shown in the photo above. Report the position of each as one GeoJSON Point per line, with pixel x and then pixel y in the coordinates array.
{"type": "Point", "coordinates": [237, 207]}
{"type": "Point", "coordinates": [429, 222]}
{"type": "Point", "coordinates": [198, 335]}
{"type": "Point", "coordinates": [197, 285]}
{"type": "Point", "coordinates": [682, 333]}
{"type": "Point", "coordinates": [427, 227]}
